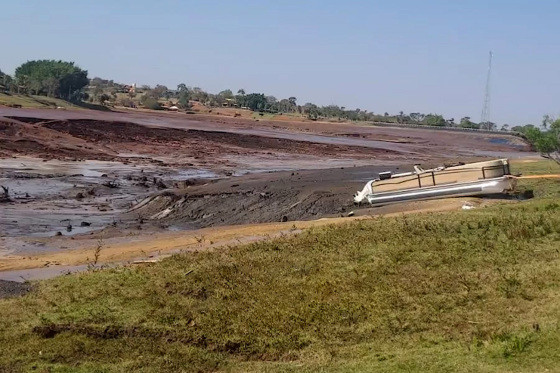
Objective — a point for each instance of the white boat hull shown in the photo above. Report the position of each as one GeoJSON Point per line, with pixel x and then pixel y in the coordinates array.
{"type": "Point", "coordinates": [480, 187]}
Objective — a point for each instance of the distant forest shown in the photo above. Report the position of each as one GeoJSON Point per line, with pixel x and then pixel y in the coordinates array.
{"type": "Point", "coordinates": [65, 80]}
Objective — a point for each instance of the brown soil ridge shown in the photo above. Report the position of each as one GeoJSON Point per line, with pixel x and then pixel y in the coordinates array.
{"type": "Point", "coordinates": [104, 140]}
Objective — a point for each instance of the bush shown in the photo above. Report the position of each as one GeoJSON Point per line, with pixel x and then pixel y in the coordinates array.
{"type": "Point", "coordinates": [150, 103]}
{"type": "Point", "coordinates": [127, 102]}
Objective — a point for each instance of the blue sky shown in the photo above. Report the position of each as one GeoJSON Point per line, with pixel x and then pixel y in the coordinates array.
{"type": "Point", "coordinates": [426, 56]}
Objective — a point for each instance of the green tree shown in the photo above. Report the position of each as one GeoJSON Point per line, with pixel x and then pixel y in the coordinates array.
{"type": "Point", "coordinates": [6, 82]}
{"type": "Point", "coordinates": [255, 101]}
{"type": "Point", "coordinates": [466, 123]}
{"type": "Point", "coordinates": [182, 87]}
{"type": "Point", "coordinates": [50, 77]}
{"type": "Point", "coordinates": [547, 141]}
{"type": "Point", "coordinates": [416, 117]}
{"type": "Point", "coordinates": [149, 102]}
{"type": "Point", "coordinates": [292, 100]}
{"type": "Point", "coordinates": [226, 93]}
{"type": "Point", "coordinates": [159, 91]}
{"type": "Point", "coordinates": [311, 110]}
{"type": "Point", "coordinates": [103, 98]}
{"type": "Point", "coordinates": [434, 120]}
{"type": "Point", "coordinates": [184, 99]}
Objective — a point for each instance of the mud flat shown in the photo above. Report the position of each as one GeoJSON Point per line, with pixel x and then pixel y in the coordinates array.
{"type": "Point", "coordinates": [12, 288]}
{"type": "Point", "coordinates": [413, 140]}
{"type": "Point", "coordinates": [77, 177]}
{"type": "Point", "coordinates": [145, 246]}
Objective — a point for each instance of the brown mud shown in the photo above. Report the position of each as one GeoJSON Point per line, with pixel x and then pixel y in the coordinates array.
{"type": "Point", "coordinates": [77, 177]}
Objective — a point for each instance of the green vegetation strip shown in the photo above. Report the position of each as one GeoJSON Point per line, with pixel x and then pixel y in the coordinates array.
{"type": "Point", "coordinates": [469, 291]}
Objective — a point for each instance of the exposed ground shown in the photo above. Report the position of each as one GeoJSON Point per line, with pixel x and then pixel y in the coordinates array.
{"type": "Point", "coordinates": [77, 176]}
{"type": "Point", "coordinates": [13, 288]}
{"type": "Point", "coordinates": [418, 143]}
{"type": "Point", "coordinates": [125, 141]}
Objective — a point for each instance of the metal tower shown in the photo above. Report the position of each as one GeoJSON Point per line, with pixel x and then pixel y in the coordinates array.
{"type": "Point", "coordinates": [485, 117]}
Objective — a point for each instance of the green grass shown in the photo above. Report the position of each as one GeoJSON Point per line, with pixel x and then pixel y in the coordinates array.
{"type": "Point", "coordinates": [34, 101]}
{"type": "Point", "coordinates": [467, 291]}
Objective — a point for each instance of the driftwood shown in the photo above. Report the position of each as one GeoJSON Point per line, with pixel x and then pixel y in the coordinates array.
{"type": "Point", "coordinates": [5, 195]}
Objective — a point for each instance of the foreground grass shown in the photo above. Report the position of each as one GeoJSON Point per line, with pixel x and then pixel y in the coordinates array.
{"type": "Point", "coordinates": [468, 291]}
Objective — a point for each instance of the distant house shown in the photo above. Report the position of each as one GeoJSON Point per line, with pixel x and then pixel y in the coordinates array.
{"type": "Point", "coordinates": [230, 102]}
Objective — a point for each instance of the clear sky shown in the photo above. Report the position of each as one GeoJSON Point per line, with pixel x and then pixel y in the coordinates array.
{"type": "Point", "coordinates": [414, 56]}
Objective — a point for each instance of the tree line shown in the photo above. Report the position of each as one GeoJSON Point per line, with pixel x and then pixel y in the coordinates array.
{"type": "Point", "coordinates": [62, 79]}
{"type": "Point", "coordinates": [66, 80]}
{"type": "Point", "coordinates": [184, 95]}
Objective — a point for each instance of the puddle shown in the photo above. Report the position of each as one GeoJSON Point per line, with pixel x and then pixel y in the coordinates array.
{"type": "Point", "coordinates": [90, 168]}
{"type": "Point", "coordinates": [48, 196]}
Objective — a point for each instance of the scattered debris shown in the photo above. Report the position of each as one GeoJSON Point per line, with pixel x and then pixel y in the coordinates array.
{"type": "Point", "coordinates": [112, 184]}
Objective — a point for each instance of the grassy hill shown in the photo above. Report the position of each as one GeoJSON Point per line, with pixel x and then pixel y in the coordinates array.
{"type": "Point", "coordinates": [34, 101]}
{"type": "Point", "coordinates": [467, 291]}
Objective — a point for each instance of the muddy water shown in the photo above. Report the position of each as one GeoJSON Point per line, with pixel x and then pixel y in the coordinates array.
{"type": "Point", "coordinates": [67, 198]}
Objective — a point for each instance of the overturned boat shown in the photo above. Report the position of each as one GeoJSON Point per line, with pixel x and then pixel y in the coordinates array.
{"type": "Point", "coordinates": [490, 177]}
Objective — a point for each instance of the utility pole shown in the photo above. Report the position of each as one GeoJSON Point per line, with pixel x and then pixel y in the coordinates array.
{"type": "Point", "coordinates": [485, 117]}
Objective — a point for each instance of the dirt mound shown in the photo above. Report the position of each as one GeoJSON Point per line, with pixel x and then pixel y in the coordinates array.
{"type": "Point", "coordinates": [95, 139]}
{"type": "Point", "coordinates": [21, 138]}
{"type": "Point", "coordinates": [124, 132]}
{"type": "Point", "coordinates": [270, 197]}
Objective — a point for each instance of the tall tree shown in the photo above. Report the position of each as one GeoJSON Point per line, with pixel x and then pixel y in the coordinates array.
{"type": "Point", "coordinates": [226, 93]}
{"type": "Point", "coordinates": [50, 77]}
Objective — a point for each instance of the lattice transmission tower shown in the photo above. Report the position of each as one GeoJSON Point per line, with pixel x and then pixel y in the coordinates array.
{"type": "Point", "coordinates": [485, 116]}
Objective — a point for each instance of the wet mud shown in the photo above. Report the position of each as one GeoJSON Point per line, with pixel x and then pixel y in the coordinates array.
{"type": "Point", "coordinates": [75, 177]}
